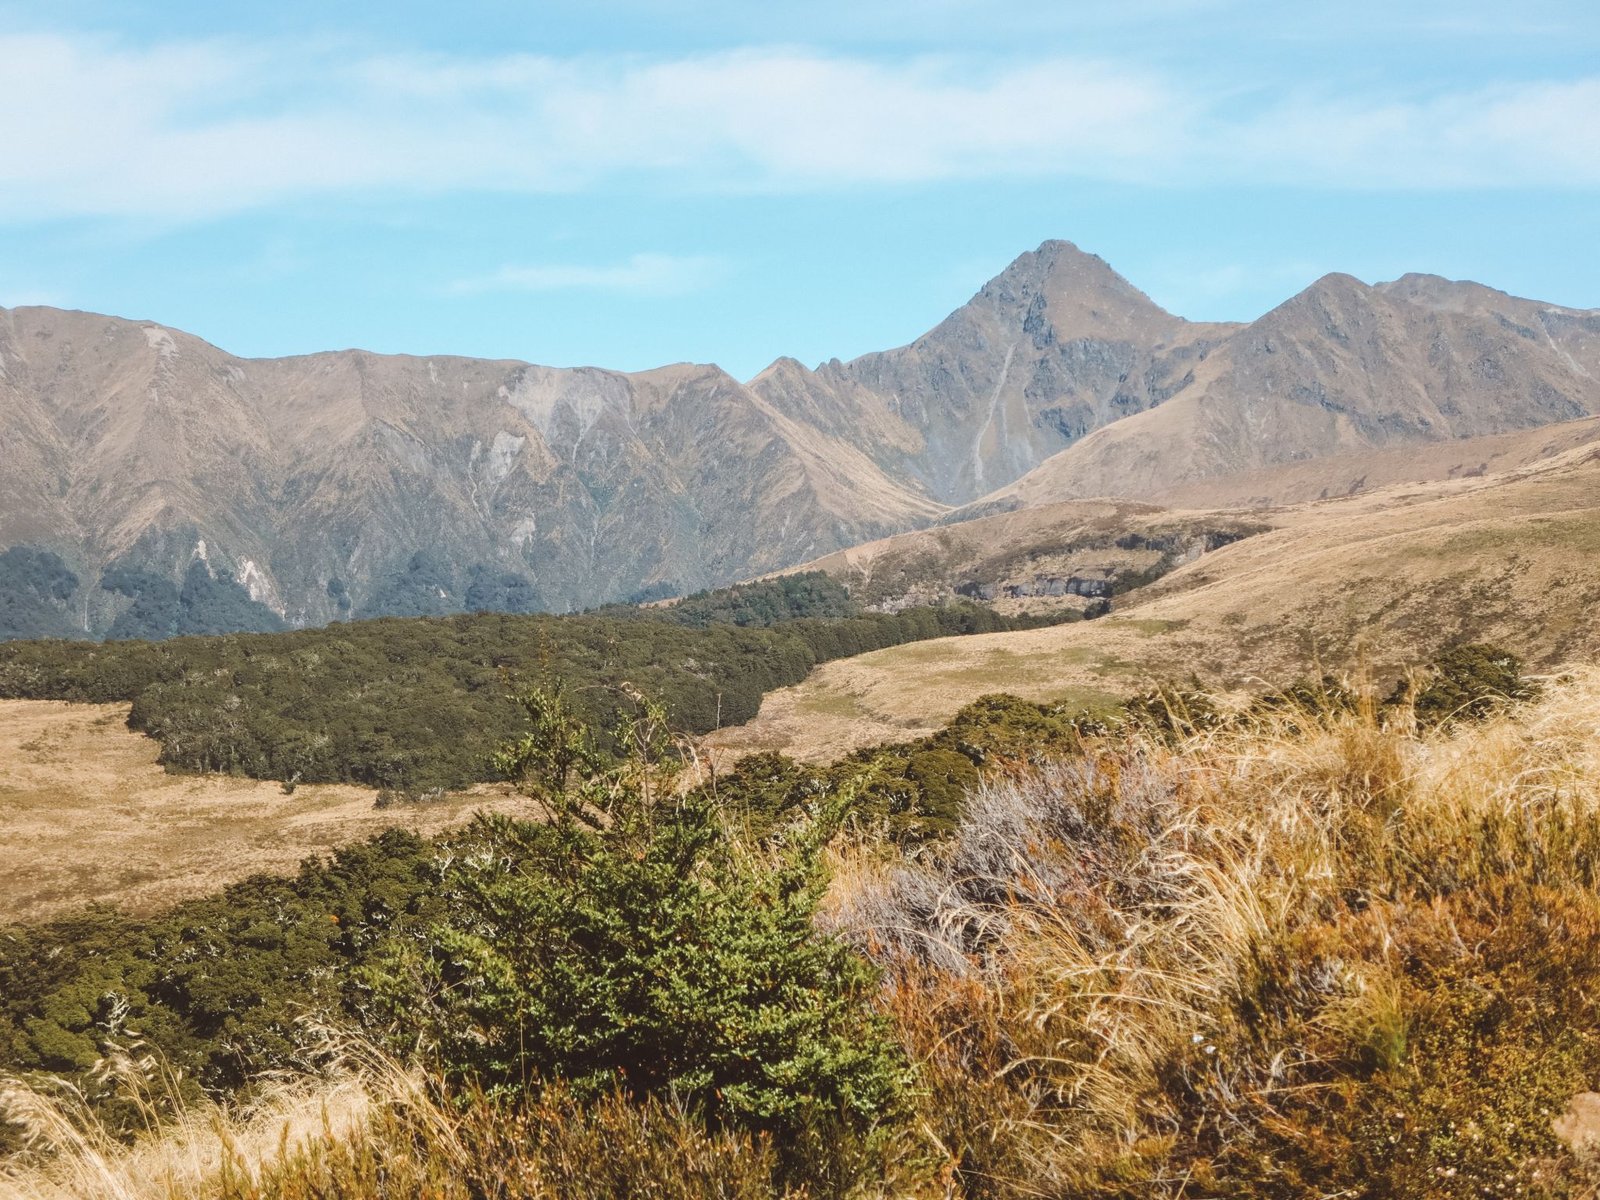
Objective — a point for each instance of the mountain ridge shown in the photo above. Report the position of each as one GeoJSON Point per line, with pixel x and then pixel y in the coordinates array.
{"type": "Point", "coordinates": [346, 483]}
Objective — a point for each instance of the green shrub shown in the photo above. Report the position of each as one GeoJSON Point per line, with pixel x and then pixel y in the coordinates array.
{"type": "Point", "coordinates": [1466, 683]}
{"type": "Point", "coordinates": [630, 943]}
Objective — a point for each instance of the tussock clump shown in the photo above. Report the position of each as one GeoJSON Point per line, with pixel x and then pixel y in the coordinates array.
{"type": "Point", "coordinates": [1320, 951]}
{"type": "Point", "coordinates": [185, 1146]}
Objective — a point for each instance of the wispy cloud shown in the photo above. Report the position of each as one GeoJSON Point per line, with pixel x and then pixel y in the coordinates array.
{"type": "Point", "coordinates": [193, 129]}
{"type": "Point", "coordinates": [640, 275]}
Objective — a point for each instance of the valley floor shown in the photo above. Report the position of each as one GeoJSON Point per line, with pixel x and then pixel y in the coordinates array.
{"type": "Point", "coordinates": [87, 814]}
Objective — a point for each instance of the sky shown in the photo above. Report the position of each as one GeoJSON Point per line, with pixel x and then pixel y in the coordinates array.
{"type": "Point", "coordinates": [631, 182]}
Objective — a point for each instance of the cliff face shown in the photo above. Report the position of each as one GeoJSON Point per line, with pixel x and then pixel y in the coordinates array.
{"type": "Point", "coordinates": [179, 487]}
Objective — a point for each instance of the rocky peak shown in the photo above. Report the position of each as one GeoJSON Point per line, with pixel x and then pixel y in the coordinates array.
{"type": "Point", "coordinates": [1066, 294]}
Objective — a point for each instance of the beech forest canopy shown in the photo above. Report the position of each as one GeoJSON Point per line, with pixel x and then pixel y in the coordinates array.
{"type": "Point", "coordinates": [417, 703]}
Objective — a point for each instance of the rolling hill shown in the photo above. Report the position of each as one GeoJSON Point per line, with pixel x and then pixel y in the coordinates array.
{"type": "Point", "coordinates": [1374, 581]}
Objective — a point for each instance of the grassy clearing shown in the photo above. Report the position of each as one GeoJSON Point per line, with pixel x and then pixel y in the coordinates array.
{"type": "Point", "coordinates": [87, 814]}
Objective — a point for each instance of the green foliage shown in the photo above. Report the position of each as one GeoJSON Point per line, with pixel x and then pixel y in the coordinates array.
{"type": "Point", "coordinates": [35, 589]}
{"type": "Point", "coordinates": [556, 744]}
{"type": "Point", "coordinates": [767, 602]}
{"type": "Point", "coordinates": [913, 791]}
{"type": "Point", "coordinates": [1171, 711]}
{"type": "Point", "coordinates": [153, 614]}
{"type": "Point", "coordinates": [218, 986]}
{"type": "Point", "coordinates": [997, 728]}
{"type": "Point", "coordinates": [205, 604]}
{"type": "Point", "coordinates": [1323, 698]}
{"type": "Point", "coordinates": [421, 703]}
{"type": "Point", "coordinates": [494, 590]}
{"type": "Point", "coordinates": [629, 943]}
{"type": "Point", "coordinates": [1466, 683]}
{"type": "Point", "coordinates": [943, 779]}
{"type": "Point", "coordinates": [424, 587]}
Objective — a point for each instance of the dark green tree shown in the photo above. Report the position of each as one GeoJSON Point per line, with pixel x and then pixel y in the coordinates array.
{"type": "Point", "coordinates": [630, 943]}
{"type": "Point", "coordinates": [1466, 683]}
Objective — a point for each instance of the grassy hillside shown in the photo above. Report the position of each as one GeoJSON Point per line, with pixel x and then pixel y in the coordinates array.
{"type": "Point", "coordinates": [1386, 578]}
{"type": "Point", "coordinates": [1036, 560]}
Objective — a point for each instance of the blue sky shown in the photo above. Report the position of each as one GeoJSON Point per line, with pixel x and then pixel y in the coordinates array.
{"type": "Point", "coordinates": [630, 183]}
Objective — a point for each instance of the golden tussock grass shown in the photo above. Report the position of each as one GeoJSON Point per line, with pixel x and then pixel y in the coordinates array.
{"type": "Point", "coordinates": [1319, 955]}
{"type": "Point", "coordinates": [86, 813]}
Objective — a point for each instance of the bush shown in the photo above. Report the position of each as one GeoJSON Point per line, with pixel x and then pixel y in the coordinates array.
{"type": "Point", "coordinates": [629, 944]}
{"type": "Point", "coordinates": [1466, 683]}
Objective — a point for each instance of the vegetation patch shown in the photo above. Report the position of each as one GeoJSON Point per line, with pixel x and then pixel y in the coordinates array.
{"type": "Point", "coordinates": [1327, 944]}
{"type": "Point", "coordinates": [414, 704]}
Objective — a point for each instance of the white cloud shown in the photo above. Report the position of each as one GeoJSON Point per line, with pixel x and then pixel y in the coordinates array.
{"type": "Point", "coordinates": [640, 275]}
{"type": "Point", "coordinates": [200, 128]}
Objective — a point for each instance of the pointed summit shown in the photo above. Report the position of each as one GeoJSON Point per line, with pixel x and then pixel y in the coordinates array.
{"type": "Point", "coordinates": [1078, 294]}
{"type": "Point", "coordinates": [1054, 346]}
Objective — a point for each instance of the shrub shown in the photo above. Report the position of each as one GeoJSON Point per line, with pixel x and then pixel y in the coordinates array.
{"type": "Point", "coordinates": [629, 944]}
{"type": "Point", "coordinates": [1466, 683]}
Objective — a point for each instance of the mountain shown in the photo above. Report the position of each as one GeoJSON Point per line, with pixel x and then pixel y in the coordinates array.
{"type": "Point", "coordinates": [1340, 369]}
{"type": "Point", "coordinates": [306, 489]}
{"type": "Point", "coordinates": [1056, 346]}
{"type": "Point", "coordinates": [155, 484]}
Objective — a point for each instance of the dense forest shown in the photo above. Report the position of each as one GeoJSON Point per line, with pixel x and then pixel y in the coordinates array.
{"type": "Point", "coordinates": [419, 703]}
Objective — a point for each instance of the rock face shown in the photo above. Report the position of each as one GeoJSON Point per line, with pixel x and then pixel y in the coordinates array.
{"type": "Point", "coordinates": [181, 489]}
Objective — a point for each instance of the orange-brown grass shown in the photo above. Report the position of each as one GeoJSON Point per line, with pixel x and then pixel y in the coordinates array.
{"type": "Point", "coordinates": [86, 814]}
{"type": "Point", "coordinates": [1320, 956]}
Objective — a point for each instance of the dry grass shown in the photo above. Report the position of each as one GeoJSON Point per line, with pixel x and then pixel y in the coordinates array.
{"type": "Point", "coordinates": [373, 1129]}
{"type": "Point", "coordinates": [1387, 577]}
{"type": "Point", "coordinates": [86, 814]}
{"type": "Point", "coordinates": [1316, 957]}
{"type": "Point", "coordinates": [188, 1148]}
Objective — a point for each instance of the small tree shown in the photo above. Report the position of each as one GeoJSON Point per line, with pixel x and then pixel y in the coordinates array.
{"type": "Point", "coordinates": [630, 943]}
{"type": "Point", "coordinates": [556, 746]}
{"type": "Point", "coordinates": [1466, 683]}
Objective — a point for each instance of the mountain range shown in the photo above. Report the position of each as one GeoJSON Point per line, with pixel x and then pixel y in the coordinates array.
{"type": "Point", "coordinates": [154, 484]}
